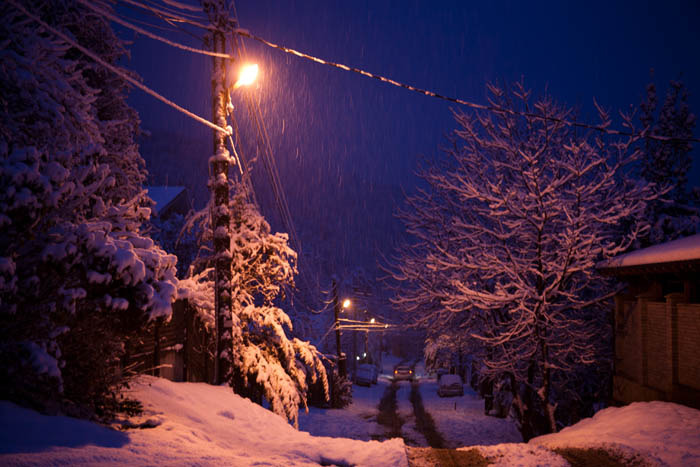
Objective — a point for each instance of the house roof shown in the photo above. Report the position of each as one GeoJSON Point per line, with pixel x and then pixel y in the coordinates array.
{"type": "Point", "coordinates": [680, 254]}
{"type": "Point", "coordinates": [163, 196]}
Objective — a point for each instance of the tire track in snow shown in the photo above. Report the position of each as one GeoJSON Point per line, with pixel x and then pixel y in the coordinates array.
{"type": "Point", "coordinates": [424, 421]}
{"type": "Point", "coordinates": [409, 430]}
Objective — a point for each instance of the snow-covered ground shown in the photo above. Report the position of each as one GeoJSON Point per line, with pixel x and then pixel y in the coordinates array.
{"type": "Point", "coordinates": [358, 421]}
{"type": "Point", "coordinates": [666, 433]}
{"type": "Point", "coordinates": [199, 424]}
{"type": "Point", "coordinates": [461, 420]}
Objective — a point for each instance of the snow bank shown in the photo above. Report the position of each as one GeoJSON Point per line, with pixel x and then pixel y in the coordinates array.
{"type": "Point", "coordinates": [196, 424]}
{"type": "Point", "coordinates": [664, 432]}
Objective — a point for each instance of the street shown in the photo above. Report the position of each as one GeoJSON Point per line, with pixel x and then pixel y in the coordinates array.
{"type": "Point", "coordinates": [414, 412]}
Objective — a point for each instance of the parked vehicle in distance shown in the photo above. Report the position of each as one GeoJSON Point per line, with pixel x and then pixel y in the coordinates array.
{"type": "Point", "coordinates": [365, 375]}
{"type": "Point", "coordinates": [440, 372]}
{"type": "Point", "coordinates": [403, 372]}
{"type": "Point", "coordinates": [375, 369]}
{"type": "Point", "coordinates": [371, 369]}
{"type": "Point", "coordinates": [450, 385]}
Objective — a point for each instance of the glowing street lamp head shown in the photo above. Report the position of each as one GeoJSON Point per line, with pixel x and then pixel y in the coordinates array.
{"type": "Point", "coordinates": [247, 75]}
{"type": "Point", "coordinates": [346, 303]}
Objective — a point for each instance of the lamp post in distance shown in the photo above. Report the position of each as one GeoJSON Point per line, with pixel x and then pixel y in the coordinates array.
{"type": "Point", "coordinates": [342, 367]}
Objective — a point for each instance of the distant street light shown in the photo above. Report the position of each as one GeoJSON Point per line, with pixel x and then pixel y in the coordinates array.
{"type": "Point", "coordinates": [247, 75]}
{"type": "Point", "coordinates": [372, 321]}
{"type": "Point", "coordinates": [346, 303]}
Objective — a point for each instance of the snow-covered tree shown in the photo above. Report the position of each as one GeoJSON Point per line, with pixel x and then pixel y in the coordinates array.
{"type": "Point", "coordinates": [266, 362]}
{"type": "Point", "coordinates": [78, 277]}
{"type": "Point", "coordinates": [666, 164]}
{"type": "Point", "coordinates": [507, 236]}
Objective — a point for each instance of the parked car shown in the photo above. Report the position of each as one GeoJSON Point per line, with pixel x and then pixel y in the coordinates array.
{"type": "Point", "coordinates": [403, 372]}
{"type": "Point", "coordinates": [450, 385]}
{"type": "Point", "coordinates": [375, 369]}
{"type": "Point", "coordinates": [365, 375]}
{"type": "Point", "coordinates": [440, 372]}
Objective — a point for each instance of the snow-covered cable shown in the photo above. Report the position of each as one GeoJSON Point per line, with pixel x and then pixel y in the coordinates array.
{"type": "Point", "coordinates": [235, 155]}
{"type": "Point", "coordinates": [169, 15]}
{"type": "Point", "coordinates": [175, 24]}
{"type": "Point", "coordinates": [174, 11]}
{"type": "Point", "coordinates": [474, 105]}
{"type": "Point", "coordinates": [182, 6]}
{"type": "Point", "coordinates": [117, 71]}
{"type": "Point", "coordinates": [172, 28]}
{"type": "Point", "coordinates": [146, 33]}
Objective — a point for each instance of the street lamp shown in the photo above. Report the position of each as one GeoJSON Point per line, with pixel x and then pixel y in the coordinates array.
{"type": "Point", "coordinates": [346, 303]}
{"type": "Point", "coordinates": [247, 75]}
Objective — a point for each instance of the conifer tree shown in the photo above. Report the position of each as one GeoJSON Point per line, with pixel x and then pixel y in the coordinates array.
{"type": "Point", "coordinates": [666, 164]}
{"type": "Point", "coordinates": [78, 278]}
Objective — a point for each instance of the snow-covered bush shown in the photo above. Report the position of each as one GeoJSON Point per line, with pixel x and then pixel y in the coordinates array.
{"type": "Point", "coordinates": [507, 236]}
{"type": "Point", "coordinates": [78, 278]}
{"type": "Point", "coordinates": [341, 392]}
{"type": "Point", "coordinates": [267, 363]}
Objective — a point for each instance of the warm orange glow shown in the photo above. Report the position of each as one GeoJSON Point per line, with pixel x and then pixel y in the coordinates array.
{"type": "Point", "coordinates": [346, 303]}
{"type": "Point", "coordinates": [247, 75]}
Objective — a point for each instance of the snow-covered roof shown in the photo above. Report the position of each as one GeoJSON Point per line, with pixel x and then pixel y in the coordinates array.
{"type": "Point", "coordinates": [683, 249]}
{"type": "Point", "coordinates": [163, 195]}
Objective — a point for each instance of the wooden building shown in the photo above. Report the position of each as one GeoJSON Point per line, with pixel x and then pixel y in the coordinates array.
{"type": "Point", "coordinates": [181, 349]}
{"type": "Point", "coordinates": [657, 323]}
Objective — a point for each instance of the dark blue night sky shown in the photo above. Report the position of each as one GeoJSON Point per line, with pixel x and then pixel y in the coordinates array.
{"type": "Point", "coordinates": [347, 146]}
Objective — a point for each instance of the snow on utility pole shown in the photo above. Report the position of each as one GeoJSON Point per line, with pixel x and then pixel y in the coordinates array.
{"type": "Point", "coordinates": [218, 10]}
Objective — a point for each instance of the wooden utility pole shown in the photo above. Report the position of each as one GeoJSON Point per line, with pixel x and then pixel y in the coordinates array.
{"type": "Point", "coordinates": [217, 10]}
{"type": "Point", "coordinates": [342, 364]}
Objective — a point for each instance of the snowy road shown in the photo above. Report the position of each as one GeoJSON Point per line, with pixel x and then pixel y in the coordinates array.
{"type": "Point", "coordinates": [385, 410]}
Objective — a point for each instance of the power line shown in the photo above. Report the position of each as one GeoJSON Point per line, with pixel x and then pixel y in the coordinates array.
{"type": "Point", "coordinates": [171, 16]}
{"type": "Point", "coordinates": [172, 28]}
{"type": "Point", "coordinates": [150, 34]}
{"type": "Point", "coordinates": [155, 14]}
{"type": "Point", "coordinates": [473, 105]}
{"type": "Point", "coordinates": [117, 71]}
{"type": "Point", "coordinates": [183, 6]}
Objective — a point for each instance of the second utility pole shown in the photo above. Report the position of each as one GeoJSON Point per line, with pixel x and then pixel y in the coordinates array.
{"type": "Point", "coordinates": [342, 364]}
